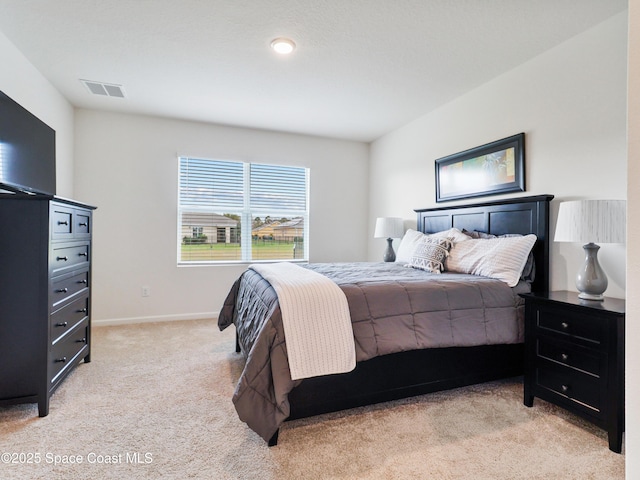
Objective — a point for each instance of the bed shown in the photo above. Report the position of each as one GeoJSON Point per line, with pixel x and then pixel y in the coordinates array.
{"type": "Point", "coordinates": [266, 396]}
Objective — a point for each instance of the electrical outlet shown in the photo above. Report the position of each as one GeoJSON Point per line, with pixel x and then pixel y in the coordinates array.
{"type": "Point", "coordinates": [146, 291]}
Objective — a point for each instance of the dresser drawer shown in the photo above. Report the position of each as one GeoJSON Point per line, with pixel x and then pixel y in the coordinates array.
{"type": "Point", "coordinates": [65, 352]}
{"type": "Point", "coordinates": [66, 318]}
{"type": "Point", "coordinates": [61, 222]}
{"type": "Point", "coordinates": [576, 386]}
{"type": "Point", "coordinates": [82, 223]}
{"type": "Point", "coordinates": [69, 223]}
{"type": "Point", "coordinates": [573, 356]}
{"type": "Point", "coordinates": [66, 286]}
{"type": "Point", "coordinates": [570, 323]}
{"type": "Point", "coordinates": [66, 257]}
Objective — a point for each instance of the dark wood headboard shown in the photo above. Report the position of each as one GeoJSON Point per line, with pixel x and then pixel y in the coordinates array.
{"type": "Point", "coordinates": [521, 215]}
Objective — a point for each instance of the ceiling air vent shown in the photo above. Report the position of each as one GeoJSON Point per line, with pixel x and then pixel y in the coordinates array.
{"type": "Point", "coordinates": [105, 89]}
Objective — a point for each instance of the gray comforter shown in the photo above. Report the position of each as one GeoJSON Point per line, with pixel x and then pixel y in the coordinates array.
{"type": "Point", "coordinates": [392, 308]}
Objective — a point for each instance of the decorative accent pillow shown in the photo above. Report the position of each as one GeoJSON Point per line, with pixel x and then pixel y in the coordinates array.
{"type": "Point", "coordinates": [412, 239]}
{"type": "Point", "coordinates": [503, 258]}
{"type": "Point", "coordinates": [430, 253]}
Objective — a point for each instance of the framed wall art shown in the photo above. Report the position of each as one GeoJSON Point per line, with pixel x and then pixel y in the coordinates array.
{"type": "Point", "coordinates": [497, 167]}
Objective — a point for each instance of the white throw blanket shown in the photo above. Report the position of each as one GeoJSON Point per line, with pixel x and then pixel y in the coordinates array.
{"type": "Point", "coordinates": [316, 320]}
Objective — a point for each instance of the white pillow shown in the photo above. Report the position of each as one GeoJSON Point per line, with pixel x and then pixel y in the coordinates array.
{"type": "Point", "coordinates": [502, 258]}
{"type": "Point", "coordinates": [412, 239]}
{"type": "Point", "coordinates": [408, 245]}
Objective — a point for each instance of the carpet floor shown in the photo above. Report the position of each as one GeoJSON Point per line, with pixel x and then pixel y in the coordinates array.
{"type": "Point", "coordinates": [155, 403]}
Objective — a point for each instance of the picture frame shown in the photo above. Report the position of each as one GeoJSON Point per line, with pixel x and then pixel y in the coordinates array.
{"type": "Point", "coordinates": [491, 169]}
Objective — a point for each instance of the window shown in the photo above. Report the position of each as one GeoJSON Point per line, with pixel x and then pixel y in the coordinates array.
{"type": "Point", "coordinates": [241, 212]}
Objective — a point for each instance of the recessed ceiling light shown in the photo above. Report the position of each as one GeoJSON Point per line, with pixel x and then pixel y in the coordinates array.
{"type": "Point", "coordinates": [283, 46]}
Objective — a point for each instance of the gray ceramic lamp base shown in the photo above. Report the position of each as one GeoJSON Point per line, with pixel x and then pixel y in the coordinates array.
{"type": "Point", "coordinates": [591, 280]}
{"type": "Point", "coordinates": [389, 254]}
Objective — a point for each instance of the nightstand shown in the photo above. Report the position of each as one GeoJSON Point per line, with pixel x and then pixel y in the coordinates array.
{"type": "Point", "coordinates": [575, 357]}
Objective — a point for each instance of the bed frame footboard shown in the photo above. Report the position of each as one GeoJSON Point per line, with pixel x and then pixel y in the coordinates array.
{"type": "Point", "coordinates": [405, 374]}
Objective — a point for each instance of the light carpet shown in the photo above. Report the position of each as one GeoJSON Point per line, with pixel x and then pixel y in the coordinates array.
{"type": "Point", "coordinates": [155, 402]}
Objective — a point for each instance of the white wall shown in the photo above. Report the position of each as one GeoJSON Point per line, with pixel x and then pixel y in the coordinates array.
{"type": "Point", "coordinates": [571, 104]}
{"type": "Point", "coordinates": [127, 167]}
{"type": "Point", "coordinates": [632, 439]}
{"type": "Point", "coordinates": [20, 80]}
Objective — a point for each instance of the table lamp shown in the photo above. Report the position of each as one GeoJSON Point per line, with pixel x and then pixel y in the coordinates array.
{"type": "Point", "coordinates": [389, 228]}
{"type": "Point", "coordinates": [591, 221]}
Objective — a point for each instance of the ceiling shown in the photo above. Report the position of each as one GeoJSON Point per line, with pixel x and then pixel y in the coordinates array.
{"type": "Point", "coordinates": [361, 67]}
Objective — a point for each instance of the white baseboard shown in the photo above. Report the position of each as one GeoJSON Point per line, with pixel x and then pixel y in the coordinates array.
{"type": "Point", "coordinates": [156, 318]}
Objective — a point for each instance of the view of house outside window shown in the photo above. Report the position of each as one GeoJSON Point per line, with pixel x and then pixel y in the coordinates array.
{"type": "Point", "coordinates": [241, 212]}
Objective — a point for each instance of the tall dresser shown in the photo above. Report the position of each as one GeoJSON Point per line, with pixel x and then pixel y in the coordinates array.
{"type": "Point", "coordinates": [45, 294]}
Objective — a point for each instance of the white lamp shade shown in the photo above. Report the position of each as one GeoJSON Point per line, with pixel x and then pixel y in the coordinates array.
{"type": "Point", "coordinates": [596, 221]}
{"type": "Point", "coordinates": [389, 227]}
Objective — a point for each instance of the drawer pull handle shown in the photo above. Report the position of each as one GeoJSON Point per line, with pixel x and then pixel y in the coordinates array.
{"type": "Point", "coordinates": [84, 254]}
{"type": "Point", "coordinates": [60, 222]}
{"type": "Point", "coordinates": [565, 388]}
{"type": "Point", "coordinates": [61, 324]}
{"type": "Point", "coordinates": [565, 357]}
{"type": "Point", "coordinates": [82, 310]}
{"type": "Point", "coordinates": [83, 281]}
{"type": "Point", "coordinates": [564, 325]}
{"type": "Point", "coordinates": [62, 258]}
{"type": "Point", "coordinates": [61, 360]}
{"type": "Point", "coordinates": [82, 340]}
{"type": "Point", "coordinates": [62, 290]}
{"type": "Point", "coordinates": [83, 224]}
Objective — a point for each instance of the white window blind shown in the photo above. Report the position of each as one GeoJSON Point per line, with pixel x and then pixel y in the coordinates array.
{"type": "Point", "coordinates": [205, 183]}
{"type": "Point", "coordinates": [241, 211]}
{"type": "Point", "coordinates": [274, 187]}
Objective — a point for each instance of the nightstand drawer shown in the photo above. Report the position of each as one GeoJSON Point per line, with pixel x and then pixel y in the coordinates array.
{"type": "Point", "coordinates": [570, 323]}
{"type": "Point", "coordinates": [579, 387]}
{"type": "Point", "coordinates": [570, 355]}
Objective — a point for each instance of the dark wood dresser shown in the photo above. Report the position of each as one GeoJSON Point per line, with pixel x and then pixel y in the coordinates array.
{"type": "Point", "coordinates": [45, 294]}
{"type": "Point", "coordinates": [575, 357]}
